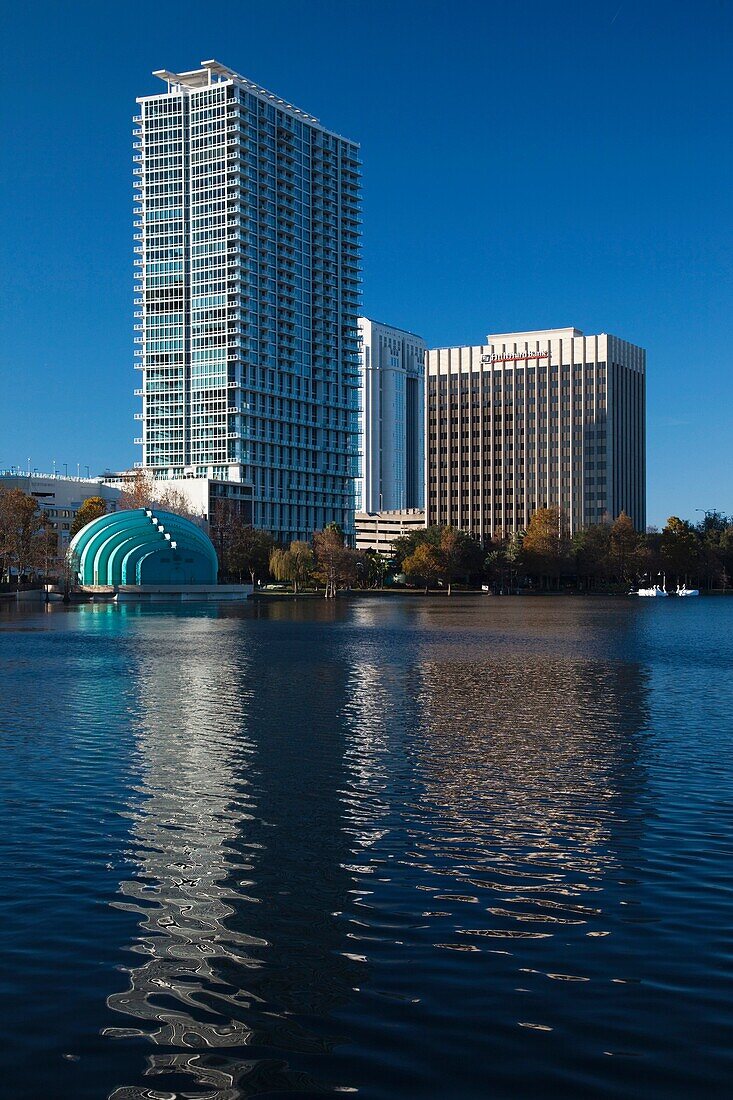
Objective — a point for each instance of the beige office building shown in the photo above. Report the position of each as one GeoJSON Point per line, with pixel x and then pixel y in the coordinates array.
{"type": "Point", "coordinates": [535, 419]}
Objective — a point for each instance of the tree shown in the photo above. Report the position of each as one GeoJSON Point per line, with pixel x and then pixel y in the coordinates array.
{"type": "Point", "coordinates": [456, 551]}
{"type": "Point", "coordinates": [27, 539]}
{"type": "Point", "coordinates": [240, 547]}
{"type": "Point", "coordinates": [375, 569]}
{"type": "Point", "coordinates": [302, 563]}
{"type": "Point", "coordinates": [545, 549]}
{"type": "Point", "coordinates": [336, 564]}
{"type": "Point", "coordinates": [247, 551]}
{"type": "Point", "coordinates": [405, 545]}
{"type": "Point", "coordinates": [592, 552]}
{"type": "Point", "coordinates": [680, 548]}
{"type": "Point", "coordinates": [91, 508]}
{"type": "Point", "coordinates": [715, 536]}
{"type": "Point", "coordinates": [624, 548]}
{"type": "Point", "coordinates": [143, 491]}
{"type": "Point", "coordinates": [423, 564]}
{"type": "Point", "coordinates": [503, 560]}
{"type": "Point", "coordinates": [295, 564]}
{"type": "Point", "coordinates": [138, 492]}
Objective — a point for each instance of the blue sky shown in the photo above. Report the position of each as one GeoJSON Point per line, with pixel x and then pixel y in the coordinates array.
{"type": "Point", "coordinates": [526, 165]}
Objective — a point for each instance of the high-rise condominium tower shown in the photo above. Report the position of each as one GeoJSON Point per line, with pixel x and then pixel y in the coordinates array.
{"type": "Point", "coordinates": [392, 418]}
{"type": "Point", "coordinates": [247, 234]}
{"type": "Point", "coordinates": [536, 419]}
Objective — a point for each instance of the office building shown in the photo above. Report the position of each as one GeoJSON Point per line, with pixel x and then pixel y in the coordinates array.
{"type": "Point", "coordinates": [60, 496]}
{"type": "Point", "coordinates": [248, 251]}
{"type": "Point", "coordinates": [535, 419]}
{"type": "Point", "coordinates": [391, 418]}
{"type": "Point", "coordinates": [378, 530]}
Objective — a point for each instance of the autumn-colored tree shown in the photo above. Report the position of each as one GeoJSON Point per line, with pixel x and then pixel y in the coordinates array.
{"type": "Point", "coordinates": [545, 550]}
{"type": "Point", "coordinates": [336, 564]}
{"type": "Point", "coordinates": [404, 545]}
{"type": "Point", "coordinates": [27, 539]}
{"type": "Point", "coordinates": [423, 564]}
{"type": "Point", "coordinates": [680, 549]}
{"type": "Point", "coordinates": [457, 552]}
{"type": "Point", "coordinates": [451, 553]}
{"type": "Point", "coordinates": [91, 508]}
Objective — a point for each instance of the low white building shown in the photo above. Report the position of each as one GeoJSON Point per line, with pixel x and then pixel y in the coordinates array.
{"type": "Point", "coordinates": [60, 497]}
{"type": "Point", "coordinates": [200, 494]}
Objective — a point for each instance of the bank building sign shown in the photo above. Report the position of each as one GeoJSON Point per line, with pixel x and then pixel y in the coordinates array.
{"type": "Point", "coordinates": [514, 356]}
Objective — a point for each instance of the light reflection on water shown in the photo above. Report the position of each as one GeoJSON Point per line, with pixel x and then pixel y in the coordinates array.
{"type": "Point", "coordinates": [475, 848]}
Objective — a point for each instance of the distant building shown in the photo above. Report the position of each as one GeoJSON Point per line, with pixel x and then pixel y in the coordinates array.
{"type": "Point", "coordinates": [535, 419]}
{"type": "Point", "coordinates": [378, 530]}
{"type": "Point", "coordinates": [60, 497]}
{"type": "Point", "coordinates": [248, 260]}
{"type": "Point", "coordinates": [392, 418]}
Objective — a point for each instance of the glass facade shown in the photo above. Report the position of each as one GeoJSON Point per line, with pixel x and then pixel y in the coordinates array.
{"type": "Point", "coordinates": [248, 252]}
{"type": "Point", "coordinates": [391, 418]}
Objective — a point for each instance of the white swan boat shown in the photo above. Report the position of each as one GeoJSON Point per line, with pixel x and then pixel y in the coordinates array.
{"type": "Point", "coordinates": [655, 590]}
{"type": "Point", "coordinates": [685, 591]}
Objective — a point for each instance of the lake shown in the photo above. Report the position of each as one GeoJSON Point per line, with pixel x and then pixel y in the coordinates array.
{"type": "Point", "coordinates": [467, 847]}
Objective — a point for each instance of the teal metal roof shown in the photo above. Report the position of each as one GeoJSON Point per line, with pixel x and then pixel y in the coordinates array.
{"type": "Point", "coordinates": [143, 546]}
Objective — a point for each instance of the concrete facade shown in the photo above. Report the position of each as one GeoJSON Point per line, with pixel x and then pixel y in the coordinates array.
{"type": "Point", "coordinates": [534, 419]}
{"type": "Point", "coordinates": [201, 494]}
{"type": "Point", "coordinates": [378, 530]}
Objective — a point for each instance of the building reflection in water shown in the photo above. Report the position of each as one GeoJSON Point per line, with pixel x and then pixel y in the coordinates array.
{"type": "Point", "coordinates": [193, 798]}
{"type": "Point", "coordinates": [522, 768]}
{"type": "Point", "coordinates": [324, 791]}
{"type": "Point", "coordinates": [237, 853]}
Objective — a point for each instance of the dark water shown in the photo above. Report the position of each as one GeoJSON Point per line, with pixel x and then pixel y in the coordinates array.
{"type": "Point", "coordinates": [477, 848]}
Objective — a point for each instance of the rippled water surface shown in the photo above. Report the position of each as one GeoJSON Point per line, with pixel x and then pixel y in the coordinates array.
{"type": "Point", "coordinates": [397, 848]}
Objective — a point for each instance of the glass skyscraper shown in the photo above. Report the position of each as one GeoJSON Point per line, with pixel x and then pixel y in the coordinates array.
{"type": "Point", "coordinates": [392, 418]}
{"type": "Point", "coordinates": [247, 290]}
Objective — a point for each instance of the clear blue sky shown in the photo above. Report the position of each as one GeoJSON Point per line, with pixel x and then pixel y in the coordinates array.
{"type": "Point", "coordinates": [526, 165]}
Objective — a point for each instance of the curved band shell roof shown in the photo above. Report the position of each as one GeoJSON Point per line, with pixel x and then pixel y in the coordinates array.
{"type": "Point", "coordinates": [143, 546]}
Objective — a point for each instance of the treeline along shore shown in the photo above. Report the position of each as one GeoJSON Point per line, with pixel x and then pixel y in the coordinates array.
{"type": "Point", "coordinates": [606, 557]}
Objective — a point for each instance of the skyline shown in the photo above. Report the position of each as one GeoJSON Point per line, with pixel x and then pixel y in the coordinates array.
{"type": "Point", "coordinates": [494, 230]}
